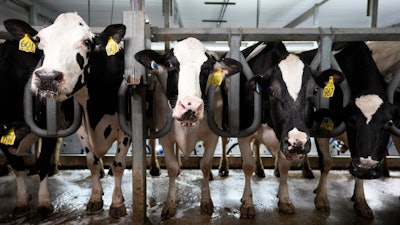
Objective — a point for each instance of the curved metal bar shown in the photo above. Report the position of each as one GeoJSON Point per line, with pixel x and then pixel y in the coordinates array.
{"type": "Point", "coordinates": [51, 117]}
{"type": "Point", "coordinates": [227, 133]}
{"type": "Point", "coordinates": [391, 89]}
{"type": "Point", "coordinates": [122, 117]}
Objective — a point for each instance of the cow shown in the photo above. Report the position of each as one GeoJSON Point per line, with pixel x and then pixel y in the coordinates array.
{"type": "Point", "coordinates": [88, 68]}
{"type": "Point", "coordinates": [185, 72]}
{"type": "Point", "coordinates": [366, 117]}
{"type": "Point", "coordinates": [16, 65]}
{"type": "Point", "coordinates": [289, 88]}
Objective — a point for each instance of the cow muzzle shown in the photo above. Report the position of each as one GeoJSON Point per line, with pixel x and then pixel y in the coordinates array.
{"type": "Point", "coordinates": [188, 111]}
{"type": "Point", "coordinates": [296, 145]}
{"type": "Point", "coordinates": [47, 82]}
{"type": "Point", "coordinates": [365, 168]}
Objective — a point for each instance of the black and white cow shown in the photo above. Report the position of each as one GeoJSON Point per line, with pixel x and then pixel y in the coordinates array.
{"type": "Point", "coordinates": [184, 73]}
{"type": "Point", "coordinates": [16, 66]}
{"type": "Point", "coordinates": [76, 64]}
{"type": "Point", "coordinates": [366, 117]}
{"type": "Point", "coordinates": [288, 87]}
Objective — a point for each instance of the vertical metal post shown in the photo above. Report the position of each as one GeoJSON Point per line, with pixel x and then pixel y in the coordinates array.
{"type": "Point", "coordinates": [326, 51]}
{"type": "Point", "coordinates": [234, 85]}
{"type": "Point", "coordinates": [135, 22]}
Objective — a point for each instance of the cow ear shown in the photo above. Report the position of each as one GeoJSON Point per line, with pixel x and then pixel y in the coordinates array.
{"type": "Point", "coordinates": [323, 78]}
{"type": "Point", "coordinates": [18, 28]}
{"type": "Point", "coordinates": [149, 59]}
{"type": "Point", "coordinates": [231, 66]}
{"type": "Point", "coordinates": [116, 31]}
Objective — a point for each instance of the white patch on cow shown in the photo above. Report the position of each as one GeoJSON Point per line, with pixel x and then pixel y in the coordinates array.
{"type": "Point", "coordinates": [256, 51]}
{"type": "Point", "coordinates": [191, 56]}
{"type": "Point", "coordinates": [295, 135]}
{"type": "Point", "coordinates": [368, 104]}
{"type": "Point", "coordinates": [61, 42]}
{"type": "Point", "coordinates": [368, 161]}
{"type": "Point", "coordinates": [292, 71]}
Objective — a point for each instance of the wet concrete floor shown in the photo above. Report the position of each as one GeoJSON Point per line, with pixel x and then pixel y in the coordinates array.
{"type": "Point", "coordinates": [70, 190]}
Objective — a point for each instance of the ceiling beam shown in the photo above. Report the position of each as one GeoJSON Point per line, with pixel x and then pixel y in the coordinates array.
{"type": "Point", "coordinates": [303, 17]}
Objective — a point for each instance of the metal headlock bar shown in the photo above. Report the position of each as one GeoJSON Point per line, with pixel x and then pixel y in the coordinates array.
{"type": "Point", "coordinates": [52, 110]}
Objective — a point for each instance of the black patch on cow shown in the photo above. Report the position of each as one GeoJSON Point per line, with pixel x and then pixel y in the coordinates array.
{"type": "Point", "coordinates": [86, 150]}
{"type": "Point", "coordinates": [107, 131]}
{"type": "Point", "coordinates": [80, 60]}
{"type": "Point", "coordinates": [125, 141]}
{"type": "Point", "coordinates": [118, 150]}
{"type": "Point", "coordinates": [119, 164]}
{"type": "Point", "coordinates": [114, 163]}
{"type": "Point", "coordinates": [96, 160]}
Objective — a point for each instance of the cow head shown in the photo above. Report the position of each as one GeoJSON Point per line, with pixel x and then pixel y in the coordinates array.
{"type": "Point", "coordinates": [289, 90]}
{"type": "Point", "coordinates": [67, 45]}
{"type": "Point", "coordinates": [368, 112]}
{"type": "Point", "coordinates": [188, 68]}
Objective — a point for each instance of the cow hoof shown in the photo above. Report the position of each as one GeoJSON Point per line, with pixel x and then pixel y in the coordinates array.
{"type": "Point", "coordinates": [362, 209]}
{"type": "Point", "coordinates": [260, 173]}
{"type": "Point", "coordinates": [155, 171]}
{"type": "Point", "coordinates": [19, 211]}
{"type": "Point", "coordinates": [308, 174]}
{"type": "Point", "coordinates": [168, 211]}
{"type": "Point", "coordinates": [223, 173]}
{"type": "Point", "coordinates": [207, 206]}
{"type": "Point", "coordinates": [322, 204]}
{"type": "Point", "coordinates": [286, 207]}
{"type": "Point", "coordinates": [117, 212]}
{"type": "Point", "coordinates": [94, 207]}
{"type": "Point", "coordinates": [44, 211]}
{"type": "Point", "coordinates": [276, 173]}
{"type": "Point", "coordinates": [247, 211]}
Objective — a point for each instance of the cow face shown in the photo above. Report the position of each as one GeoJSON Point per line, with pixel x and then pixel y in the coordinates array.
{"type": "Point", "coordinates": [366, 120]}
{"type": "Point", "coordinates": [67, 45]}
{"type": "Point", "coordinates": [289, 90]}
{"type": "Point", "coordinates": [188, 68]}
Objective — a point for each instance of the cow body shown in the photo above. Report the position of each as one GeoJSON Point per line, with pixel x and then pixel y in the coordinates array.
{"type": "Point", "coordinates": [366, 117]}
{"type": "Point", "coordinates": [75, 64]}
{"type": "Point", "coordinates": [288, 90]}
{"type": "Point", "coordinates": [15, 69]}
{"type": "Point", "coordinates": [184, 73]}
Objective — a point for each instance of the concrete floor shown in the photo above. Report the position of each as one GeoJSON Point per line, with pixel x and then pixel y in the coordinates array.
{"type": "Point", "coordinates": [70, 191]}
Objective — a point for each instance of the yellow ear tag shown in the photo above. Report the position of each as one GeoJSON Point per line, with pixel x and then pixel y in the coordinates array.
{"type": "Point", "coordinates": [216, 78]}
{"type": "Point", "coordinates": [26, 44]}
{"type": "Point", "coordinates": [329, 88]}
{"type": "Point", "coordinates": [9, 138]}
{"type": "Point", "coordinates": [112, 47]}
{"type": "Point", "coordinates": [327, 124]}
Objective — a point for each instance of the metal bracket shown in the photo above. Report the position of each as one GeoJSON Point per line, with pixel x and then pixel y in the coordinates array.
{"type": "Point", "coordinates": [52, 110]}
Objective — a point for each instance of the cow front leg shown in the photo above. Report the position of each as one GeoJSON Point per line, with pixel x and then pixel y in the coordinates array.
{"type": "Point", "coordinates": [155, 169]}
{"type": "Point", "coordinates": [360, 204]}
{"type": "Point", "coordinates": [257, 156]}
{"type": "Point", "coordinates": [284, 204]}
{"type": "Point", "coordinates": [95, 203]}
{"type": "Point", "coordinates": [117, 208]}
{"type": "Point", "coordinates": [321, 200]}
{"type": "Point", "coordinates": [206, 203]}
{"type": "Point", "coordinates": [247, 209]}
{"type": "Point", "coordinates": [173, 168]}
{"type": "Point", "coordinates": [23, 197]}
{"type": "Point", "coordinates": [45, 207]}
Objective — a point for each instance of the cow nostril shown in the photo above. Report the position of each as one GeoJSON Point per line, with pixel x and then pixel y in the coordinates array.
{"type": "Point", "coordinates": [189, 103]}
{"type": "Point", "coordinates": [49, 75]}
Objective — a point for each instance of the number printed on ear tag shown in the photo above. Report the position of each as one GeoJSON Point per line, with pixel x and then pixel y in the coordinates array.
{"type": "Point", "coordinates": [329, 88]}
{"type": "Point", "coordinates": [9, 138]}
{"type": "Point", "coordinates": [112, 47]}
{"type": "Point", "coordinates": [26, 44]}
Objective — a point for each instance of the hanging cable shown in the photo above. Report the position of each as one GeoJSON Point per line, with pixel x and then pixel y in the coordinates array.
{"type": "Point", "coordinates": [89, 12]}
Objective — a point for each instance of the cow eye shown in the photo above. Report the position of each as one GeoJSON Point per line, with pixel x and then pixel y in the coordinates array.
{"type": "Point", "coordinates": [87, 43]}
{"type": "Point", "coordinates": [36, 39]}
{"type": "Point", "coordinates": [315, 91]}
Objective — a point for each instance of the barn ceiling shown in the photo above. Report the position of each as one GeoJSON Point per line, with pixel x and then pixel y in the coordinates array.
{"type": "Point", "coordinates": [202, 13]}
